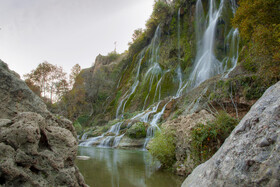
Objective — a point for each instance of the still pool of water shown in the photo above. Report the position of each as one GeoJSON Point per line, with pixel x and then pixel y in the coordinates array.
{"type": "Point", "coordinates": [108, 167]}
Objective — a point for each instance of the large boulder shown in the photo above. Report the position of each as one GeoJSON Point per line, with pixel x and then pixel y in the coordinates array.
{"type": "Point", "coordinates": [37, 148]}
{"type": "Point", "coordinates": [250, 156]}
{"type": "Point", "coordinates": [15, 96]}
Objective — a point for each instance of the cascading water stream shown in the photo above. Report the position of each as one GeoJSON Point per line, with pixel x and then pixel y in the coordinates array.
{"type": "Point", "coordinates": [234, 34]}
{"type": "Point", "coordinates": [107, 141]}
{"type": "Point", "coordinates": [145, 116]}
{"type": "Point", "coordinates": [128, 94]}
{"type": "Point", "coordinates": [91, 141]}
{"type": "Point", "coordinates": [207, 64]}
{"type": "Point", "coordinates": [179, 70]}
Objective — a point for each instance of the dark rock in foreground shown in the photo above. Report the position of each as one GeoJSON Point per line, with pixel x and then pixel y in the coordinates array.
{"type": "Point", "coordinates": [251, 154]}
{"type": "Point", "coordinates": [36, 147]}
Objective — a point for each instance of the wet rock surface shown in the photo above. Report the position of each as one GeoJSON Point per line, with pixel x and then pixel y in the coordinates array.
{"type": "Point", "coordinates": [250, 155]}
{"type": "Point", "coordinates": [36, 147]}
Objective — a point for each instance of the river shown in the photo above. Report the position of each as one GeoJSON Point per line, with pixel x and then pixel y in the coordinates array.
{"type": "Point", "coordinates": [107, 167]}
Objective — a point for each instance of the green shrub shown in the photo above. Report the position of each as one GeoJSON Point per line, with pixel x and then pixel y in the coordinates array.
{"type": "Point", "coordinates": [162, 147]}
{"type": "Point", "coordinates": [138, 130]}
{"type": "Point", "coordinates": [113, 56]}
{"type": "Point", "coordinates": [207, 138]}
{"type": "Point", "coordinates": [83, 119]}
{"type": "Point", "coordinates": [105, 128]}
{"type": "Point", "coordinates": [78, 127]}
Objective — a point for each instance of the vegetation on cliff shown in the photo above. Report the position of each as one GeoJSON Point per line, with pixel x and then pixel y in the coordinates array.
{"type": "Point", "coordinates": [162, 147]}
{"type": "Point", "coordinates": [207, 138]}
{"type": "Point", "coordinates": [259, 25]}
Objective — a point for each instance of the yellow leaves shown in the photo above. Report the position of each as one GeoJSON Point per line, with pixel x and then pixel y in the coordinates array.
{"type": "Point", "coordinates": [259, 24]}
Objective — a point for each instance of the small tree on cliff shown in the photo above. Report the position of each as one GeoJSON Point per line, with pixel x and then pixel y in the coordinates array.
{"type": "Point", "coordinates": [75, 71]}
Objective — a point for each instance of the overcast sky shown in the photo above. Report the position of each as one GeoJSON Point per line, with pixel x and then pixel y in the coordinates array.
{"type": "Point", "coordinates": [66, 32]}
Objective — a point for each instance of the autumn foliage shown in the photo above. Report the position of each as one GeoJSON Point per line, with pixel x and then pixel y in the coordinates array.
{"type": "Point", "coordinates": [259, 24]}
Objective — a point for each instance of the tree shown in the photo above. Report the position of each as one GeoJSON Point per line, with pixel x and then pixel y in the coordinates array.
{"type": "Point", "coordinates": [75, 71]}
{"type": "Point", "coordinates": [136, 34]}
{"type": "Point", "coordinates": [39, 76]}
{"type": "Point", "coordinates": [62, 88]}
{"type": "Point", "coordinates": [48, 78]}
{"type": "Point", "coordinates": [56, 80]}
{"type": "Point", "coordinates": [33, 87]}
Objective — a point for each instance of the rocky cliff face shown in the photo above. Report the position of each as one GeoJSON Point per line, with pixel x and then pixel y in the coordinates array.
{"type": "Point", "coordinates": [36, 147]}
{"type": "Point", "coordinates": [15, 96]}
{"type": "Point", "coordinates": [93, 90]}
{"type": "Point", "coordinates": [250, 155]}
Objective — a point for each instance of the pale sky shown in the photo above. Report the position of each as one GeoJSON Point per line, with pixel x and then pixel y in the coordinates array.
{"type": "Point", "coordinates": [66, 32]}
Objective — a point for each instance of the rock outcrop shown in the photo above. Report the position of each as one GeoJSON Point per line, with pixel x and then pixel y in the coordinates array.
{"type": "Point", "coordinates": [36, 147]}
{"type": "Point", "coordinates": [250, 155]}
{"type": "Point", "coordinates": [15, 96]}
{"type": "Point", "coordinates": [183, 126]}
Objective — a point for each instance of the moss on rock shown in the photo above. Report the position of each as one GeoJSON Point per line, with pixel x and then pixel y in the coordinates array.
{"type": "Point", "coordinates": [136, 131]}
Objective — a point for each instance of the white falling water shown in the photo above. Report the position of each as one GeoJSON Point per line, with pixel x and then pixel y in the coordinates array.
{"type": "Point", "coordinates": [206, 63]}
{"type": "Point", "coordinates": [91, 141]}
{"type": "Point", "coordinates": [233, 56]}
{"type": "Point", "coordinates": [84, 137]}
{"type": "Point", "coordinates": [128, 94]}
{"type": "Point", "coordinates": [153, 125]}
{"type": "Point", "coordinates": [121, 104]}
{"type": "Point", "coordinates": [158, 88]}
{"type": "Point", "coordinates": [117, 140]}
{"type": "Point", "coordinates": [179, 70]}
{"type": "Point", "coordinates": [153, 72]}
{"type": "Point", "coordinates": [179, 75]}
{"type": "Point", "coordinates": [108, 140]}
{"type": "Point", "coordinates": [115, 128]}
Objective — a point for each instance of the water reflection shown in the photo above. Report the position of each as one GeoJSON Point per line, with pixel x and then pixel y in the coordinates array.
{"type": "Point", "coordinates": [123, 168]}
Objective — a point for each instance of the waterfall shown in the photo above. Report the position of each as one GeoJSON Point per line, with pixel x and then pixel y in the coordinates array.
{"type": "Point", "coordinates": [91, 141]}
{"type": "Point", "coordinates": [129, 93]}
{"type": "Point", "coordinates": [179, 70]}
{"type": "Point", "coordinates": [158, 89]}
{"type": "Point", "coordinates": [121, 104]}
{"type": "Point", "coordinates": [233, 53]}
{"type": "Point", "coordinates": [207, 63]}
{"type": "Point", "coordinates": [107, 141]}
{"type": "Point", "coordinates": [179, 75]}
{"type": "Point", "coordinates": [217, 53]}
{"type": "Point", "coordinates": [151, 74]}
{"type": "Point", "coordinates": [117, 140]}
{"type": "Point", "coordinates": [116, 128]}
{"type": "Point", "coordinates": [84, 137]}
